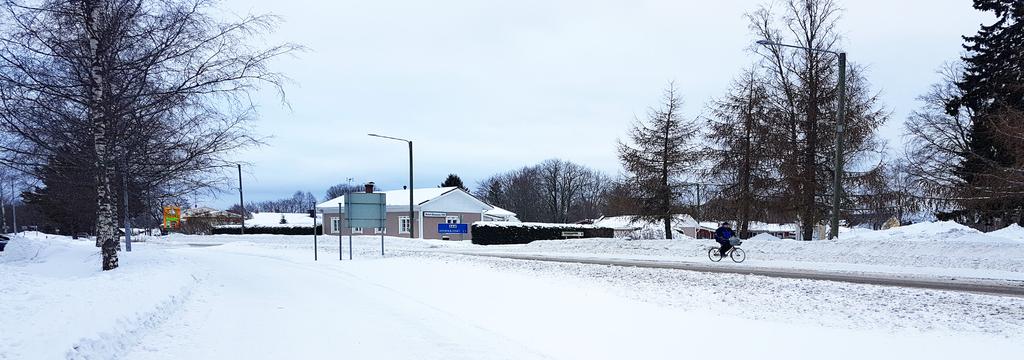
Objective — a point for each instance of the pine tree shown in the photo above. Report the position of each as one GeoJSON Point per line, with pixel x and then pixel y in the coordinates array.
{"type": "Point", "coordinates": [738, 155]}
{"type": "Point", "coordinates": [657, 157]}
{"type": "Point", "coordinates": [454, 181]}
{"type": "Point", "coordinates": [993, 92]}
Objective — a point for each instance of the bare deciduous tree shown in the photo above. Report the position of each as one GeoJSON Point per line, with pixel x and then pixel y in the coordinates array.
{"type": "Point", "coordinates": [803, 87]}
{"type": "Point", "coordinates": [161, 87]}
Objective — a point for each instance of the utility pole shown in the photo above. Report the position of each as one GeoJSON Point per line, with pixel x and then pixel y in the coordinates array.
{"type": "Point", "coordinates": [412, 227]}
{"type": "Point", "coordinates": [241, 200]}
{"type": "Point", "coordinates": [837, 178]}
{"type": "Point", "coordinates": [837, 181]}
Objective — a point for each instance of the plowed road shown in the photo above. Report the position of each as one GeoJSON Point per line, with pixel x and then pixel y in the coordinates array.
{"type": "Point", "coordinates": [984, 286]}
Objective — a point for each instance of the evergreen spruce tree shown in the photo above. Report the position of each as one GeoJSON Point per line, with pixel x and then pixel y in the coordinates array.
{"type": "Point", "coordinates": [657, 157]}
{"type": "Point", "coordinates": [454, 181]}
{"type": "Point", "coordinates": [993, 91]}
{"type": "Point", "coordinates": [739, 155]}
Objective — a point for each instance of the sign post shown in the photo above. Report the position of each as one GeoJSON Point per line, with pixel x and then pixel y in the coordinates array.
{"type": "Point", "coordinates": [367, 211]}
{"type": "Point", "coordinates": [172, 217]}
{"type": "Point", "coordinates": [340, 250]}
{"type": "Point", "coordinates": [312, 213]}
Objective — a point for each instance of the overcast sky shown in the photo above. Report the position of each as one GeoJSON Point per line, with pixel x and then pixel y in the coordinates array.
{"type": "Point", "coordinates": [487, 86]}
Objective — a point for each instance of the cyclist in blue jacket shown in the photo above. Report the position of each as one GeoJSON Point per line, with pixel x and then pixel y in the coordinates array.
{"type": "Point", "coordinates": [722, 236]}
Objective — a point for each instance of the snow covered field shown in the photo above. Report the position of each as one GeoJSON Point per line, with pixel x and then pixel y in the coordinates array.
{"type": "Point", "coordinates": [263, 297]}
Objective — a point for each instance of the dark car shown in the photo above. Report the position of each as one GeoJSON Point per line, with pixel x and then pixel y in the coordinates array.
{"type": "Point", "coordinates": [3, 241]}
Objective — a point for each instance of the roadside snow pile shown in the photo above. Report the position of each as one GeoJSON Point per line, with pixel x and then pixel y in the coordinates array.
{"type": "Point", "coordinates": [942, 230]}
{"type": "Point", "coordinates": [764, 237]}
{"type": "Point", "coordinates": [55, 280]}
{"type": "Point", "coordinates": [1012, 232]}
{"type": "Point", "coordinates": [506, 224]}
{"type": "Point", "coordinates": [929, 245]}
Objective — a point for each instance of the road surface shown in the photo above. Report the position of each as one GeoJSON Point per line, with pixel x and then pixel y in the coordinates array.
{"type": "Point", "coordinates": [984, 286]}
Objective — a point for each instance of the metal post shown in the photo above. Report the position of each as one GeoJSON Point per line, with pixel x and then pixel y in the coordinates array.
{"type": "Point", "coordinates": [412, 228]}
{"type": "Point", "coordinates": [350, 245]}
{"type": "Point", "coordinates": [14, 207]}
{"type": "Point", "coordinates": [382, 245]}
{"type": "Point", "coordinates": [314, 236]}
{"type": "Point", "coordinates": [3, 210]}
{"type": "Point", "coordinates": [837, 179]}
{"type": "Point", "coordinates": [241, 201]}
{"type": "Point", "coordinates": [341, 255]}
{"type": "Point", "coordinates": [127, 221]}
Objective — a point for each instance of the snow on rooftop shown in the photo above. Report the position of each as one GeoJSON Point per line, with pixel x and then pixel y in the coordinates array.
{"type": "Point", "coordinates": [499, 212]}
{"type": "Point", "coordinates": [629, 222]}
{"type": "Point", "coordinates": [395, 197]}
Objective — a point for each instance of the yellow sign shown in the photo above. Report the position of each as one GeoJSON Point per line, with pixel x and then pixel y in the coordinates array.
{"type": "Point", "coordinates": [172, 216]}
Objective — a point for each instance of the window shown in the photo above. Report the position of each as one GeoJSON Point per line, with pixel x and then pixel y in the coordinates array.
{"type": "Point", "coordinates": [357, 230]}
{"type": "Point", "coordinates": [380, 230]}
{"type": "Point", "coordinates": [404, 225]}
{"type": "Point", "coordinates": [335, 225]}
{"type": "Point", "coordinates": [452, 220]}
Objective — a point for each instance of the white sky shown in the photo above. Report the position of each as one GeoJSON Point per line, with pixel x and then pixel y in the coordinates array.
{"type": "Point", "coordinates": [487, 86]}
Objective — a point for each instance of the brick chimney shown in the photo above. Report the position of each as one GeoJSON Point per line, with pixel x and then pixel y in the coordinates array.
{"type": "Point", "coordinates": [369, 187]}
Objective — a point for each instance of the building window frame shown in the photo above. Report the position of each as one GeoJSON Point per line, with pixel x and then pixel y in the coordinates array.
{"type": "Point", "coordinates": [406, 227]}
{"type": "Point", "coordinates": [357, 230]}
{"type": "Point", "coordinates": [335, 225]}
{"type": "Point", "coordinates": [452, 219]}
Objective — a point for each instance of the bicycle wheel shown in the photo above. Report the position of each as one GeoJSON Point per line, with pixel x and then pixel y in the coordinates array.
{"type": "Point", "coordinates": [737, 255]}
{"type": "Point", "coordinates": [714, 255]}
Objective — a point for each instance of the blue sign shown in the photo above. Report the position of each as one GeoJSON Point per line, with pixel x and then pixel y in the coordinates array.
{"type": "Point", "coordinates": [452, 228]}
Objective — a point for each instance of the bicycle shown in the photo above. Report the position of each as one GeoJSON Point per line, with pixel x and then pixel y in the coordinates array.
{"type": "Point", "coordinates": [735, 253]}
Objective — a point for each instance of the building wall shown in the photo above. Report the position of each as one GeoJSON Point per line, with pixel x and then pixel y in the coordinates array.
{"type": "Point", "coordinates": [429, 225]}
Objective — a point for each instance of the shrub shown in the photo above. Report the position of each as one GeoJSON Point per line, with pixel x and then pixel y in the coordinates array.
{"type": "Point", "coordinates": [502, 233]}
{"type": "Point", "coordinates": [269, 230]}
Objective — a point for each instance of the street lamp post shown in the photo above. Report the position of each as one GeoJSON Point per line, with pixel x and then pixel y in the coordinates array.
{"type": "Point", "coordinates": [241, 200]}
{"type": "Point", "coordinates": [412, 229]}
{"type": "Point", "coordinates": [837, 179]}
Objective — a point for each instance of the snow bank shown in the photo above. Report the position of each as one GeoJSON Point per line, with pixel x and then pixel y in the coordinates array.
{"type": "Point", "coordinates": [944, 245]}
{"type": "Point", "coordinates": [940, 231]}
{"type": "Point", "coordinates": [56, 280]}
{"type": "Point", "coordinates": [1012, 232]}
{"type": "Point", "coordinates": [764, 237]}
{"type": "Point", "coordinates": [504, 224]}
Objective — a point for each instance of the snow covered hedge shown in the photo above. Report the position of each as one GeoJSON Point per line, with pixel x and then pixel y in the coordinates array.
{"type": "Point", "coordinates": [503, 233]}
{"type": "Point", "coordinates": [284, 229]}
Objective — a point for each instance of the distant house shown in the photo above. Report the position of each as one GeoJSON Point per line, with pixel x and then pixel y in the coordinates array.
{"type": "Point", "coordinates": [626, 226]}
{"type": "Point", "coordinates": [706, 229]}
{"type": "Point", "coordinates": [431, 206]}
{"type": "Point", "coordinates": [209, 216]}
{"type": "Point", "coordinates": [202, 220]}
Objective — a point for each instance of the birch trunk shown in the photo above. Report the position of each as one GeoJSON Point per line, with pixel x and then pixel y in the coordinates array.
{"type": "Point", "coordinates": [106, 234]}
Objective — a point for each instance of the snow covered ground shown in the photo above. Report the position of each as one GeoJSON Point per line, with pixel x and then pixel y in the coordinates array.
{"type": "Point", "coordinates": [933, 249]}
{"type": "Point", "coordinates": [263, 297]}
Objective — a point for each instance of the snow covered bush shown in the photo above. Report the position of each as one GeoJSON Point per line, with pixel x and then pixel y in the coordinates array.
{"type": "Point", "coordinates": [269, 230]}
{"type": "Point", "coordinates": [503, 233]}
